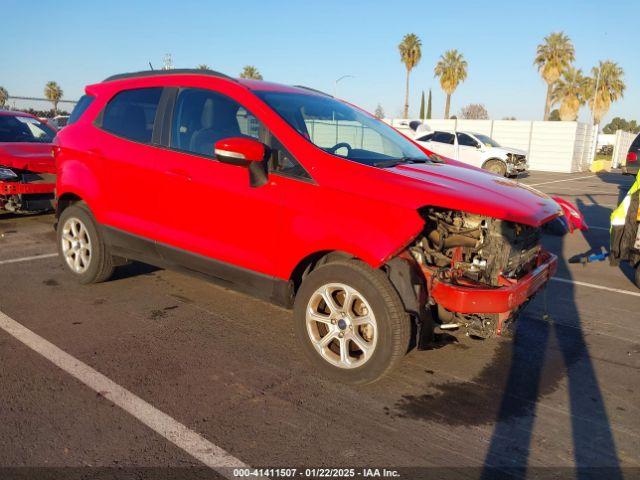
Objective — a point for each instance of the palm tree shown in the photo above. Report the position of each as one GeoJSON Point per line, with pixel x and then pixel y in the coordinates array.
{"type": "Point", "coordinates": [53, 93]}
{"type": "Point", "coordinates": [410, 54]}
{"type": "Point", "coordinates": [552, 58]}
{"type": "Point", "coordinates": [203, 66]}
{"type": "Point", "coordinates": [452, 70]}
{"type": "Point", "coordinates": [4, 96]}
{"type": "Point", "coordinates": [608, 76]}
{"type": "Point", "coordinates": [570, 92]}
{"type": "Point", "coordinates": [249, 71]}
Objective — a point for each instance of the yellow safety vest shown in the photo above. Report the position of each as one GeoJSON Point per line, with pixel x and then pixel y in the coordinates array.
{"type": "Point", "coordinates": [619, 215]}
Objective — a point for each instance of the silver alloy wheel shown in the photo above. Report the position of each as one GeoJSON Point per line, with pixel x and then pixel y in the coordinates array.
{"type": "Point", "coordinates": [341, 325]}
{"type": "Point", "coordinates": [76, 245]}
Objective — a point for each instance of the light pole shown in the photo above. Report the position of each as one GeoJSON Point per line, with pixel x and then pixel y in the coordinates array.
{"type": "Point", "coordinates": [335, 84]}
{"type": "Point", "coordinates": [595, 96]}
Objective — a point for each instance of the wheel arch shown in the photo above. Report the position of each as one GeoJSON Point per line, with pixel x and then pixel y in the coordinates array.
{"type": "Point", "coordinates": [493, 159]}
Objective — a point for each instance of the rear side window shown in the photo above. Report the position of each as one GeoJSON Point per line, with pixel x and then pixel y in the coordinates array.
{"type": "Point", "coordinates": [79, 109]}
{"type": "Point", "coordinates": [636, 144]}
{"type": "Point", "coordinates": [131, 114]}
{"type": "Point", "coordinates": [443, 137]}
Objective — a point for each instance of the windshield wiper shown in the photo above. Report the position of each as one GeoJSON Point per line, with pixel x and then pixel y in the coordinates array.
{"type": "Point", "coordinates": [398, 161]}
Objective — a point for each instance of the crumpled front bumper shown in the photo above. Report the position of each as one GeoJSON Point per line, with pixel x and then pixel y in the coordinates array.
{"type": "Point", "coordinates": [472, 298]}
{"type": "Point", "coordinates": [515, 168]}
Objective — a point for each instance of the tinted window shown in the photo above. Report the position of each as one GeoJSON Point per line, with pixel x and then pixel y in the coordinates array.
{"type": "Point", "coordinates": [202, 117]}
{"type": "Point", "coordinates": [80, 108]}
{"type": "Point", "coordinates": [426, 138]}
{"type": "Point", "coordinates": [636, 144]}
{"type": "Point", "coordinates": [24, 129]}
{"type": "Point", "coordinates": [131, 114]}
{"type": "Point", "coordinates": [443, 137]}
{"type": "Point", "coordinates": [465, 140]}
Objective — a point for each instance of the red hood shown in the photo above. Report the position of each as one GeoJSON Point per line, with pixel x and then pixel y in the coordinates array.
{"type": "Point", "coordinates": [35, 157]}
{"type": "Point", "coordinates": [448, 186]}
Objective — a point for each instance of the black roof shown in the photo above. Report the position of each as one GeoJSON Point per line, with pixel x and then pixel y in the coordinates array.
{"type": "Point", "coordinates": [175, 71]}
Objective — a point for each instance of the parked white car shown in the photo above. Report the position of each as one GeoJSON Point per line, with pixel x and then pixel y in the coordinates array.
{"type": "Point", "coordinates": [475, 149]}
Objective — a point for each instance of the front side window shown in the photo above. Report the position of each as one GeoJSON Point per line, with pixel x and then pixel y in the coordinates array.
{"type": "Point", "coordinates": [203, 117]}
{"type": "Point", "coordinates": [340, 129]}
{"type": "Point", "coordinates": [131, 114]}
{"type": "Point", "coordinates": [426, 138]}
{"type": "Point", "coordinates": [465, 140]}
{"type": "Point", "coordinates": [17, 128]}
{"type": "Point", "coordinates": [488, 141]}
{"type": "Point", "coordinates": [444, 137]}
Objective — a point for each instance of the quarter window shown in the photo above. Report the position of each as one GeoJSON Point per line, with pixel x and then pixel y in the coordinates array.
{"type": "Point", "coordinates": [131, 114]}
{"type": "Point", "coordinates": [426, 138]}
{"type": "Point", "coordinates": [80, 108]}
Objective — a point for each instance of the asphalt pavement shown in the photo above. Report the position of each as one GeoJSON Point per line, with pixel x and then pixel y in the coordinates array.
{"type": "Point", "coordinates": [101, 377]}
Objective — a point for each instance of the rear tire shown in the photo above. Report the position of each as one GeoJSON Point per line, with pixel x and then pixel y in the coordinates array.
{"type": "Point", "coordinates": [361, 332]}
{"type": "Point", "coordinates": [496, 166]}
{"type": "Point", "coordinates": [81, 246]}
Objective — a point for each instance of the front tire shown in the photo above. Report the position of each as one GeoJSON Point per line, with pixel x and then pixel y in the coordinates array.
{"type": "Point", "coordinates": [81, 246]}
{"type": "Point", "coordinates": [350, 322]}
{"type": "Point", "coordinates": [496, 166]}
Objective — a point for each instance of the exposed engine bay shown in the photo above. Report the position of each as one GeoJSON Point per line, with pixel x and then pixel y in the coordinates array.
{"type": "Point", "coordinates": [466, 249]}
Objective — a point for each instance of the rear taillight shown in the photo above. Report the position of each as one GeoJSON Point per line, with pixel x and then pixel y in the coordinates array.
{"type": "Point", "coordinates": [632, 157]}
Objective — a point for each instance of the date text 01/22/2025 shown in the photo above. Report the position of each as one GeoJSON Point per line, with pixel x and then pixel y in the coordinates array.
{"type": "Point", "coordinates": [316, 472]}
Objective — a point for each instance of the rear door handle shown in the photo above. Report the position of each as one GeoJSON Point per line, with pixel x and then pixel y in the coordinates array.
{"type": "Point", "coordinates": [178, 172]}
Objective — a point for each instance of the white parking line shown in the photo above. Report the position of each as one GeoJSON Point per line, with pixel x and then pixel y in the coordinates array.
{"type": "Point", "coordinates": [191, 442]}
{"type": "Point", "coordinates": [27, 259]}
{"type": "Point", "coordinates": [599, 287]}
{"type": "Point", "coordinates": [599, 228]}
{"type": "Point", "coordinates": [559, 181]}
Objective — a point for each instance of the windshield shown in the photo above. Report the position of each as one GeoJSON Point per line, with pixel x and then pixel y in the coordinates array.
{"type": "Point", "coordinates": [488, 142]}
{"type": "Point", "coordinates": [342, 130]}
{"type": "Point", "coordinates": [16, 128]}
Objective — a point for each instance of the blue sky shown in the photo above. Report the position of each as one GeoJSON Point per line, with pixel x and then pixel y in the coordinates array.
{"type": "Point", "coordinates": [313, 43]}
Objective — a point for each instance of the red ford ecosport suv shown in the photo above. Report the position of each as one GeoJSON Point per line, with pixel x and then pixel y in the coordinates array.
{"type": "Point", "coordinates": [292, 195]}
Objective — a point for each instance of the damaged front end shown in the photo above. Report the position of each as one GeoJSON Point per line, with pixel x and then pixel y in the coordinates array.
{"type": "Point", "coordinates": [26, 191]}
{"type": "Point", "coordinates": [477, 272]}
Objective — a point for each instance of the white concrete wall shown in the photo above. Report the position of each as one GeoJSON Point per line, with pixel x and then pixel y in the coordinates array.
{"type": "Point", "coordinates": [552, 146]}
{"type": "Point", "coordinates": [621, 147]}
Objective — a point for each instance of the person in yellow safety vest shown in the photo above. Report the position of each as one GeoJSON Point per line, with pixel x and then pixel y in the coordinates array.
{"type": "Point", "coordinates": [625, 234]}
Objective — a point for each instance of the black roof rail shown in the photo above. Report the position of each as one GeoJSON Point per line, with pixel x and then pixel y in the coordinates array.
{"type": "Point", "coordinates": [175, 71]}
{"type": "Point", "coordinates": [314, 90]}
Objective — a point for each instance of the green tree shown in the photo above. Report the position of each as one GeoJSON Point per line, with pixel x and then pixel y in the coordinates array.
{"type": "Point", "coordinates": [379, 113]}
{"type": "Point", "coordinates": [452, 70]}
{"type": "Point", "coordinates": [609, 78]}
{"type": "Point", "coordinates": [4, 96]}
{"type": "Point", "coordinates": [53, 93]}
{"type": "Point", "coordinates": [554, 116]}
{"type": "Point", "coordinates": [621, 124]}
{"type": "Point", "coordinates": [570, 92]}
{"type": "Point", "coordinates": [203, 66]}
{"type": "Point", "coordinates": [429, 106]}
{"type": "Point", "coordinates": [552, 58]}
{"type": "Point", "coordinates": [422, 106]}
{"type": "Point", "coordinates": [410, 54]}
{"type": "Point", "coordinates": [249, 71]}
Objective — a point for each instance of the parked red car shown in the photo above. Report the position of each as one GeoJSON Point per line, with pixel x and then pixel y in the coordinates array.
{"type": "Point", "coordinates": [297, 197]}
{"type": "Point", "coordinates": [27, 167]}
